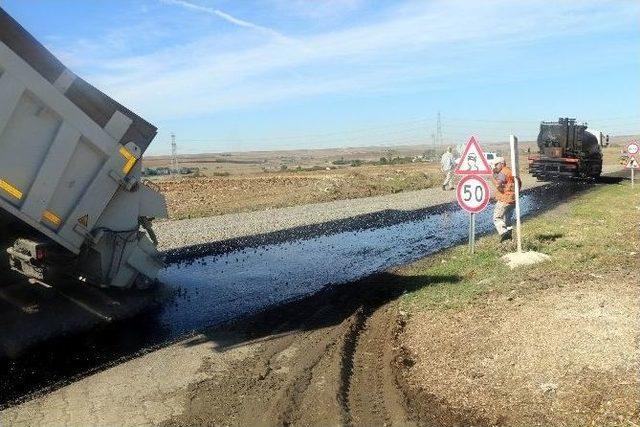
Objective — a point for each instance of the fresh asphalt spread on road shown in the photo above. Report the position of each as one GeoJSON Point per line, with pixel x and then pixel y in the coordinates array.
{"type": "Point", "coordinates": [214, 284]}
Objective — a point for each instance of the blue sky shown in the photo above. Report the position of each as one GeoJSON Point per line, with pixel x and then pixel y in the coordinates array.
{"type": "Point", "coordinates": [228, 75]}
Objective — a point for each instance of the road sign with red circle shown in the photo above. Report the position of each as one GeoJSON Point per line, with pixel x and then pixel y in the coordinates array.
{"type": "Point", "coordinates": [473, 161]}
{"type": "Point", "coordinates": [473, 193]}
{"type": "Point", "coordinates": [633, 148]}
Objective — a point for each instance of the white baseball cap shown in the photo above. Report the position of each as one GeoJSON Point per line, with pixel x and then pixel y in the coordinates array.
{"type": "Point", "coordinates": [497, 160]}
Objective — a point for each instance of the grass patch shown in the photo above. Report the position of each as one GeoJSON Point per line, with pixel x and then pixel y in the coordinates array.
{"type": "Point", "coordinates": [590, 236]}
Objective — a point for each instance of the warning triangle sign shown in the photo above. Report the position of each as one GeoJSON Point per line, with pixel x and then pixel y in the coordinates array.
{"type": "Point", "coordinates": [632, 163]}
{"type": "Point", "coordinates": [473, 160]}
{"type": "Point", "coordinates": [84, 220]}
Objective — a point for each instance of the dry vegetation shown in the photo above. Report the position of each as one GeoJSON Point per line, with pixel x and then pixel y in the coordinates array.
{"type": "Point", "coordinates": [207, 196]}
{"type": "Point", "coordinates": [240, 182]}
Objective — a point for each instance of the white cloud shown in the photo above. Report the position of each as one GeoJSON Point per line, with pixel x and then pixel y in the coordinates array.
{"type": "Point", "coordinates": [425, 42]}
{"type": "Point", "coordinates": [318, 9]}
{"type": "Point", "coordinates": [225, 16]}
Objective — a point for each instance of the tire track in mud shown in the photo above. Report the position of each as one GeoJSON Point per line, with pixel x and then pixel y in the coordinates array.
{"type": "Point", "coordinates": [374, 397]}
{"type": "Point", "coordinates": [334, 365]}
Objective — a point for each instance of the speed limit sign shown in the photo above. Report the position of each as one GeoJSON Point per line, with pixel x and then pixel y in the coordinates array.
{"type": "Point", "coordinates": [473, 194]}
{"type": "Point", "coordinates": [633, 149]}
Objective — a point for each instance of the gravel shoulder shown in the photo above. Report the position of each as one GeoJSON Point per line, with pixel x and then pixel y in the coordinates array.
{"type": "Point", "coordinates": [174, 234]}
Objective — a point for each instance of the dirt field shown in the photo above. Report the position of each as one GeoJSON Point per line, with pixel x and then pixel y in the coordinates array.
{"type": "Point", "coordinates": [243, 182]}
{"type": "Point", "coordinates": [550, 356]}
{"type": "Point", "coordinates": [197, 197]}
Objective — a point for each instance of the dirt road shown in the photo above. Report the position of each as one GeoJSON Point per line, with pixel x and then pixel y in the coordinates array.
{"type": "Point", "coordinates": [319, 363]}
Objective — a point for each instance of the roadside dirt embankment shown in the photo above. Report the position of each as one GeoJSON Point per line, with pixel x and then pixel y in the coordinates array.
{"type": "Point", "coordinates": [553, 344]}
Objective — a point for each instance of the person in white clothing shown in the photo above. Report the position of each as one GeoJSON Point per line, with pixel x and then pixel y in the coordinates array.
{"type": "Point", "coordinates": [448, 163]}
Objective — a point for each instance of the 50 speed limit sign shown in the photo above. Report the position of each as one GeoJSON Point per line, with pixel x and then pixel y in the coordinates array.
{"type": "Point", "coordinates": [473, 194]}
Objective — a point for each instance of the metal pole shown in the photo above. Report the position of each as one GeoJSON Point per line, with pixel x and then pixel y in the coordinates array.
{"type": "Point", "coordinates": [632, 170]}
{"type": "Point", "coordinates": [515, 164]}
{"type": "Point", "coordinates": [470, 219]}
{"type": "Point", "coordinates": [472, 233]}
{"type": "Point", "coordinates": [470, 230]}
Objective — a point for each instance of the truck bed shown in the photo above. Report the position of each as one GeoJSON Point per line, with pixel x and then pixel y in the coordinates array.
{"type": "Point", "coordinates": [95, 104]}
{"type": "Point", "coordinates": [70, 169]}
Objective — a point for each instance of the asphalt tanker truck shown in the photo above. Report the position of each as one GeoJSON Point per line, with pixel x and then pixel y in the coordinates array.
{"type": "Point", "coordinates": [72, 202]}
{"type": "Point", "coordinates": [567, 149]}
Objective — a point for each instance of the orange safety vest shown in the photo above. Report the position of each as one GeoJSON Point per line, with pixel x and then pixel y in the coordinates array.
{"type": "Point", "coordinates": [506, 193]}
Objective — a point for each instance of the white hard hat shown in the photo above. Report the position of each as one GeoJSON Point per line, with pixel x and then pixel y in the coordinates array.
{"type": "Point", "coordinates": [497, 160]}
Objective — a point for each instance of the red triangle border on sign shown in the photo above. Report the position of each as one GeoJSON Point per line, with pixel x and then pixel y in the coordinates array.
{"type": "Point", "coordinates": [487, 168]}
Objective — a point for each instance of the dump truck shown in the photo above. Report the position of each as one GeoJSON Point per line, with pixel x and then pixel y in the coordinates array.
{"type": "Point", "coordinates": [567, 150]}
{"type": "Point", "coordinates": [72, 202]}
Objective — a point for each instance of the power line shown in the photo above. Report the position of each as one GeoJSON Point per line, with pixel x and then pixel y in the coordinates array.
{"type": "Point", "coordinates": [408, 132]}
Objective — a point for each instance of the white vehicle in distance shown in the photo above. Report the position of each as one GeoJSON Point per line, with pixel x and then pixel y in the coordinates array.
{"type": "Point", "coordinates": [490, 156]}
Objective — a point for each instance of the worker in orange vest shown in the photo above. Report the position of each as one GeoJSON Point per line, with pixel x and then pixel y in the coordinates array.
{"type": "Point", "coordinates": [505, 198]}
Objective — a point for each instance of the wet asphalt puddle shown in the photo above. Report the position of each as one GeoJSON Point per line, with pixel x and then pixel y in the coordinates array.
{"type": "Point", "coordinates": [208, 290]}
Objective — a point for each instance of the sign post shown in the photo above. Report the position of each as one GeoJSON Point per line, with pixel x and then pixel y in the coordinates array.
{"type": "Point", "coordinates": [472, 191]}
{"type": "Point", "coordinates": [633, 165]}
{"type": "Point", "coordinates": [520, 258]}
{"type": "Point", "coordinates": [632, 150]}
{"type": "Point", "coordinates": [471, 233]}
{"type": "Point", "coordinates": [515, 166]}
{"type": "Point", "coordinates": [473, 196]}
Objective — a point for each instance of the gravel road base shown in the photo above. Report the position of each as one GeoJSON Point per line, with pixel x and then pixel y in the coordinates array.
{"type": "Point", "coordinates": [174, 234]}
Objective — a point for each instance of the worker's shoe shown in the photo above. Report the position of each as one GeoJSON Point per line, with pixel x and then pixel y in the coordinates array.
{"type": "Point", "coordinates": [506, 236]}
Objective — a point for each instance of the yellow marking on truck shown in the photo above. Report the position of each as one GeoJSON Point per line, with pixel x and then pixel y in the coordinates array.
{"type": "Point", "coordinates": [51, 217]}
{"type": "Point", "coordinates": [10, 189]}
{"type": "Point", "coordinates": [131, 160]}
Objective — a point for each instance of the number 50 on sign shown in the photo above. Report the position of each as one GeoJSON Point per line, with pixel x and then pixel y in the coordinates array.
{"type": "Point", "coordinates": [473, 194]}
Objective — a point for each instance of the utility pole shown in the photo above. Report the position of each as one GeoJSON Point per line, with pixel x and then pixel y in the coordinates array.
{"type": "Point", "coordinates": [439, 130]}
{"type": "Point", "coordinates": [174, 154]}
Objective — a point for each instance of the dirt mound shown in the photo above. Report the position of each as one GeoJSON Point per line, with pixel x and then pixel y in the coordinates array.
{"type": "Point", "coordinates": [566, 355]}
